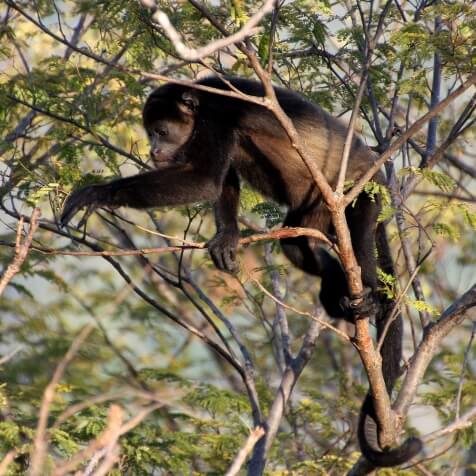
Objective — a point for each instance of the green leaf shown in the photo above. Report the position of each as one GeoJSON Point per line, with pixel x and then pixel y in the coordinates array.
{"type": "Point", "coordinates": [448, 231]}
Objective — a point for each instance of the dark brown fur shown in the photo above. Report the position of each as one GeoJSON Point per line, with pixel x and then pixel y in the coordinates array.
{"type": "Point", "coordinates": [232, 138]}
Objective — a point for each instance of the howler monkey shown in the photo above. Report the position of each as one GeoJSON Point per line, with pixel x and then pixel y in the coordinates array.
{"type": "Point", "coordinates": [201, 143]}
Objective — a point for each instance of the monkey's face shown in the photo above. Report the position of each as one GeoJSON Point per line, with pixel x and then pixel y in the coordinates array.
{"type": "Point", "coordinates": [166, 137]}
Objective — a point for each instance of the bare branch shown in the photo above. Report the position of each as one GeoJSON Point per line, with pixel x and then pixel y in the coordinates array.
{"type": "Point", "coordinates": [40, 442]}
{"type": "Point", "coordinates": [350, 131]}
{"type": "Point", "coordinates": [467, 352]}
{"type": "Point", "coordinates": [192, 54]}
{"type": "Point", "coordinates": [143, 295]}
{"type": "Point", "coordinates": [246, 449]}
{"type": "Point", "coordinates": [286, 232]}
{"type": "Point", "coordinates": [364, 82]}
{"type": "Point", "coordinates": [435, 99]}
{"type": "Point", "coordinates": [433, 335]}
{"type": "Point", "coordinates": [464, 421]}
{"type": "Point", "coordinates": [111, 455]}
{"type": "Point", "coordinates": [314, 317]}
{"type": "Point", "coordinates": [21, 249]}
{"type": "Point", "coordinates": [289, 379]}
{"type": "Point", "coordinates": [102, 140]}
{"type": "Point", "coordinates": [281, 318]}
{"type": "Point", "coordinates": [7, 460]}
{"type": "Point", "coordinates": [417, 125]}
{"type": "Point", "coordinates": [106, 438]}
{"type": "Point", "coordinates": [461, 165]}
{"type": "Point", "coordinates": [10, 355]}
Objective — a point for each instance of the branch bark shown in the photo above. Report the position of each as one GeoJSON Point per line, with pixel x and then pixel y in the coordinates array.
{"type": "Point", "coordinates": [286, 232]}
{"type": "Point", "coordinates": [240, 458]}
{"type": "Point", "coordinates": [21, 249]}
{"type": "Point", "coordinates": [434, 333]}
{"type": "Point", "coordinates": [290, 376]}
{"type": "Point", "coordinates": [41, 442]}
{"type": "Point", "coordinates": [196, 54]}
{"type": "Point", "coordinates": [417, 125]}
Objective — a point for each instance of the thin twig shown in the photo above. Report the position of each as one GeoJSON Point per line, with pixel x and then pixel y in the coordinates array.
{"type": "Point", "coordinates": [289, 379]}
{"type": "Point", "coordinates": [10, 355]}
{"type": "Point", "coordinates": [21, 249]}
{"type": "Point", "coordinates": [193, 54]}
{"type": "Point", "coordinates": [285, 232]}
{"type": "Point", "coordinates": [314, 317]}
{"type": "Point", "coordinates": [463, 370]}
{"type": "Point", "coordinates": [350, 132]}
{"type": "Point", "coordinates": [464, 421]}
{"type": "Point", "coordinates": [40, 444]}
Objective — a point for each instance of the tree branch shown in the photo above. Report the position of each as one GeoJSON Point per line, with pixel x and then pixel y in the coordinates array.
{"type": "Point", "coordinates": [192, 54]}
{"type": "Point", "coordinates": [464, 421]}
{"type": "Point", "coordinates": [40, 441]}
{"type": "Point", "coordinates": [240, 458]}
{"type": "Point", "coordinates": [434, 333]}
{"type": "Point", "coordinates": [21, 249]}
{"type": "Point", "coordinates": [417, 125]}
{"type": "Point", "coordinates": [290, 376]}
{"type": "Point", "coordinates": [286, 232]}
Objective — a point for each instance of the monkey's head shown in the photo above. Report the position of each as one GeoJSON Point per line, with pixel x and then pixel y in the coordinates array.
{"type": "Point", "coordinates": [169, 120]}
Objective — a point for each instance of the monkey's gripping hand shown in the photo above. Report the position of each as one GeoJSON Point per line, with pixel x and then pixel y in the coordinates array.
{"type": "Point", "coordinates": [92, 197]}
{"type": "Point", "coordinates": [361, 306]}
{"type": "Point", "coordinates": [222, 248]}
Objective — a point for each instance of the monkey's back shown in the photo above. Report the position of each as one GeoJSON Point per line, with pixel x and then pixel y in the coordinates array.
{"type": "Point", "coordinates": [265, 156]}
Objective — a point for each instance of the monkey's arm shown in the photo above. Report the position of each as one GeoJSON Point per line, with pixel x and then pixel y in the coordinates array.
{"type": "Point", "coordinates": [178, 184]}
{"type": "Point", "coordinates": [223, 246]}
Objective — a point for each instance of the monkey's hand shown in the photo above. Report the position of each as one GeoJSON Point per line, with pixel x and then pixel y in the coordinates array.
{"type": "Point", "coordinates": [90, 197]}
{"type": "Point", "coordinates": [222, 248]}
{"type": "Point", "coordinates": [361, 306]}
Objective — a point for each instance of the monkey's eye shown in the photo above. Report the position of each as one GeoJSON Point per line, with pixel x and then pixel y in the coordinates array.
{"type": "Point", "coordinates": [161, 132]}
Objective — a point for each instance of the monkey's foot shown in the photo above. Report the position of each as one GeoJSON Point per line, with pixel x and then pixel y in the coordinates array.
{"type": "Point", "coordinates": [360, 306]}
{"type": "Point", "coordinates": [222, 249]}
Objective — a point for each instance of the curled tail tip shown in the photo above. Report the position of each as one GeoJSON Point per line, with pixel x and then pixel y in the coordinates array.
{"type": "Point", "coordinates": [394, 457]}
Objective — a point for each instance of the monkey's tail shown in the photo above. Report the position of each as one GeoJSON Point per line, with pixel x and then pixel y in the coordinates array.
{"type": "Point", "coordinates": [391, 351]}
{"type": "Point", "coordinates": [367, 435]}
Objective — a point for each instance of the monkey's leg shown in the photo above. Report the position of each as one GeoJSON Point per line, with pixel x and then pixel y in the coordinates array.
{"type": "Point", "coordinates": [222, 247]}
{"type": "Point", "coordinates": [308, 256]}
{"type": "Point", "coordinates": [362, 222]}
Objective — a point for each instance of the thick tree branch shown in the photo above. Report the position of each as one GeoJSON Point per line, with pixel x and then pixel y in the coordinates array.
{"type": "Point", "coordinates": [370, 356]}
{"type": "Point", "coordinates": [435, 99]}
{"type": "Point", "coordinates": [458, 163]}
{"type": "Point", "coordinates": [434, 333]}
{"type": "Point", "coordinates": [289, 379]}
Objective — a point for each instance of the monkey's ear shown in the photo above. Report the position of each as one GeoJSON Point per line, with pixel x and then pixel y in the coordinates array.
{"type": "Point", "coordinates": [189, 102]}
